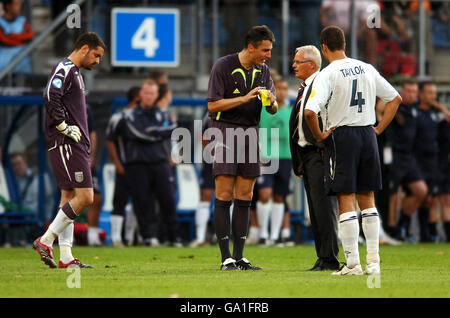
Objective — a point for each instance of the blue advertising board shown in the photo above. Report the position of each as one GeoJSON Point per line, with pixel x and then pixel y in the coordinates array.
{"type": "Point", "coordinates": [145, 37]}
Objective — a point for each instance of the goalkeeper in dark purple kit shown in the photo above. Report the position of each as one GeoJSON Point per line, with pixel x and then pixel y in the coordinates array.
{"type": "Point", "coordinates": [69, 147]}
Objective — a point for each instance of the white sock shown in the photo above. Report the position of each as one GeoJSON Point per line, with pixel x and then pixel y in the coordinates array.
{"type": "Point", "coordinates": [349, 236]}
{"type": "Point", "coordinates": [130, 226]}
{"type": "Point", "coordinates": [65, 240]}
{"type": "Point", "coordinates": [116, 227]}
{"type": "Point", "coordinates": [371, 229]}
{"type": "Point", "coordinates": [201, 219]}
{"type": "Point", "coordinates": [93, 238]}
{"type": "Point", "coordinates": [276, 220]}
{"type": "Point", "coordinates": [262, 213]}
{"type": "Point", "coordinates": [286, 233]}
{"type": "Point", "coordinates": [58, 225]}
{"type": "Point", "coordinates": [253, 233]}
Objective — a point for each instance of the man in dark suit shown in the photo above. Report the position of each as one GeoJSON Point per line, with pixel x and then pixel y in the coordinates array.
{"type": "Point", "coordinates": [307, 162]}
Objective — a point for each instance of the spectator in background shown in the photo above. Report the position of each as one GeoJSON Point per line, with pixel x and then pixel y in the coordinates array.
{"type": "Point", "coordinates": [28, 186]}
{"type": "Point", "coordinates": [15, 32]}
{"type": "Point", "coordinates": [122, 189]}
{"type": "Point", "coordinates": [440, 26]}
{"type": "Point", "coordinates": [338, 13]}
{"type": "Point", "coordinates": [444, 181]}
{"type": "Point", "coordinates": [405, 134]}
{"type": "Point", "coordinates": [395, 36]}
{"type": "Point", "coordinates": [163, 102]}
{"type": "Point", "coordinates": [203, 211]}
{"type": "Point", "coordinates": [405, 169]}
{"type": "Point", "coordinates": [427, 154]}
{"type": "Point", "coordinates": [146, 164]}
{"type": "Point", "coordinates": [382, 196]}
{"type": "Point", "coordinates": [164, 93]}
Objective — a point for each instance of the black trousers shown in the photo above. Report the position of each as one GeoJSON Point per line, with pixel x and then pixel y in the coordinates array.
{"type": "Point", "coordinates": [323, 216]}
{"type": "Point", "coordinates": [122, 192]}
{"type": "Point", "coordinates": [149, 182]}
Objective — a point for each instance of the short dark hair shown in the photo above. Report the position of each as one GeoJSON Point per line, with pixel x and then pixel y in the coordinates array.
{"type": "Point", "coordinates": [150, 81]}
{"type": "Point", "coordinates": [409, 82]}
{"type": "Point", "coordinates": [156, 74]}
{"type": "Point", "coordinates": [133, 92]}
{"type": "Point", "coordinates": [91, 39]}
{"type": "Point", "coordinates": [425, 83]}
{"type": "Point", "coordinates": [257, 34]}
{"type": "Point", "coordinates": [333, 37]}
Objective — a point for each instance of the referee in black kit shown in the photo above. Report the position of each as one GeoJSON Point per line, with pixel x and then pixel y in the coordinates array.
{"type": "Point", "coordinates": [144, 133]}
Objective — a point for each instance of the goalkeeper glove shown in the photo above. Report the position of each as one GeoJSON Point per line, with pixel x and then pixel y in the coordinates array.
{"type": "Point", "coordinates": [70, 131]}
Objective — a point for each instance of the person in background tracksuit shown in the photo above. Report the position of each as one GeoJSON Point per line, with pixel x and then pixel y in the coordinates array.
{"type": "Point", "coordinates": [147, 165]}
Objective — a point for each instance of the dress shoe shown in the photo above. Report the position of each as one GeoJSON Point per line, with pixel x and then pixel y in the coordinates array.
{"type": "Point", "coordinates": [322, 265]}
{"type": "Point", "coordinates": [327, 266]}
{"type": "Point", "coordinates": [317, 266]}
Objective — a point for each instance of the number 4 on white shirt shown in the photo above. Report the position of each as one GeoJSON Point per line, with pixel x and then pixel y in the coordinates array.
{"type": "Point", "coordinates": [145, 39]}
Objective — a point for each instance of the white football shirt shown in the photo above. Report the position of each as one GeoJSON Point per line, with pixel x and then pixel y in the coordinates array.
{"type": "Point", "coordinates": [345, 93]}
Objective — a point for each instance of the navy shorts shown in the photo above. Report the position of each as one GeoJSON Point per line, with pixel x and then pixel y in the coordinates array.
{"type": "Point", "coordinates": [71, 166]}
{"type": "Point", "coordinates": [236, 156]}
{"type": "Point", "coordinates": [352, 161]}
{"type": "Point", "coordinates": [429, 166]}
{"type": "Point", "coordinates": [279, 181]}
{"type": "Point", "coordinates": [206, 176]}
{"type": "Point", "coordinates": [405, 170]}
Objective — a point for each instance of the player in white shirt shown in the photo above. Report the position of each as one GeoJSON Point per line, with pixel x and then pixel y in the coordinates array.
{"type": "Point", "coordinates": [345, 94]}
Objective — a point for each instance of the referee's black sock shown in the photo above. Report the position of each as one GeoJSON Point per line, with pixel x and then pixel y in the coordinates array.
{"type": "Point", "coordinates": [241, 218]}
{"type": "Point", "coordinates": [222, 226]}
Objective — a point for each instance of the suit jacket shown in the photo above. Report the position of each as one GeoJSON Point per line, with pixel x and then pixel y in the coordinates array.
{"type": "Point", "coordinates": [297, 162]}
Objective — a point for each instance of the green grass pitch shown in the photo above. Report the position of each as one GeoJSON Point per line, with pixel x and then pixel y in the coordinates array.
{"type": "Point", "coordinates": [421, 270]}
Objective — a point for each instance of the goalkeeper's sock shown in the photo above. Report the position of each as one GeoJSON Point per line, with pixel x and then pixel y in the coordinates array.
{"type": "Point", "coordinates": [241, 219]}
{"type": "Point", "coordinates": [222, 226]}
{"type": "Point", "coordinates": [65, 240]}
{"type": "Point", "coordinates": [371, 229]}
{"type": "Point", "coordinates": [349, 227]}
{"type": "Point", "coordinates": [64, 218]}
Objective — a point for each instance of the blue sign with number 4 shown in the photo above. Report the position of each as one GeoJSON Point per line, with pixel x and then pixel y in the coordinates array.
{"type": "Point", "coordinates": [145, 37]}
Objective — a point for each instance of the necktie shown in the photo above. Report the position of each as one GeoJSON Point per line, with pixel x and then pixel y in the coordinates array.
{"type": "Point", "coordinates": [297, 111]}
